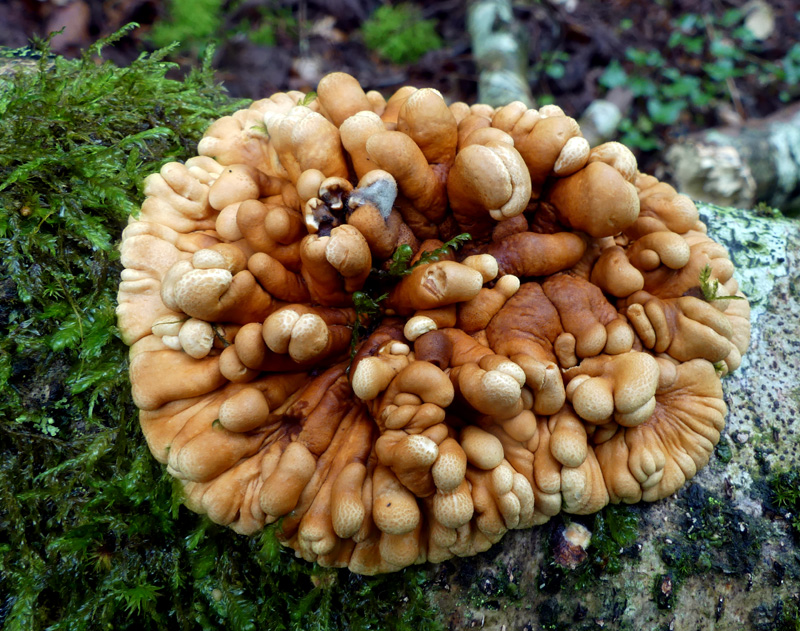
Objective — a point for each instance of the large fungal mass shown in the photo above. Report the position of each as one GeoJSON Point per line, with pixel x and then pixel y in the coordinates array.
{"type": "Point", "coordinates": [304, 348]}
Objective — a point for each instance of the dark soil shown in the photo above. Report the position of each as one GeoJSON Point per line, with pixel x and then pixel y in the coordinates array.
{"type": "Point", "coordinates": [582, 36]}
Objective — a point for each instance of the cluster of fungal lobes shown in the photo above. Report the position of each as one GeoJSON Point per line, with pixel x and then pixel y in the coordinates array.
{"type": "Point", "coordinates": [567, 355]}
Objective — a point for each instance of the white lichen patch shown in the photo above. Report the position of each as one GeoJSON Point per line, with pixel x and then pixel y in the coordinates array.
{"type": "Point", "coordinates": [757, 246]}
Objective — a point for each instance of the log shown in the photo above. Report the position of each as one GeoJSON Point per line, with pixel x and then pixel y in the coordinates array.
{"type": "Point", "coordinates": [758, 161]}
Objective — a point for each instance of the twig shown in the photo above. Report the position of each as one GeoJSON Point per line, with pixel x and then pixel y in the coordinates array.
{"type": "Point", "coordinates": [302, 32]}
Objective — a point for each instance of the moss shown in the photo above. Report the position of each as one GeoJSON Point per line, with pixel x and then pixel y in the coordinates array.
{"type": "Point", "coordinates": [785, 496]}
{"type": "Point", "coordinates": [93, 534]}
{"type": "Point", "coordinates": [400, 34]}
{"type": "Point", "coordinates": [723, 450]}
{"type": "Point", "coordinates": [780, 615]}
{"type": "Point", "coordinates": [494, 588]}
{"type": "Point", "coordinates": [713, 537]}
{"type": "Point", "coordinates": [614, 532]}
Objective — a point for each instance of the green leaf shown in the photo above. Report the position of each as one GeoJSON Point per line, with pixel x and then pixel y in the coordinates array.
{"type": "Point", "coordinates": [614, 75]}
{"type": "Point", "coordinates": [308, 99]}
{"type": "Point", "coordinates": [400, 259]}
{"type": "Point", "coordinates": [665, 113]}
{"type": "Point", "coordinates": [688, 22]}
{"type": "Point", "coordinates": [644, 57]}
{"type": "Point", "coordinates": [642, 86]}
{"type": "Point", "coordinates": [731, 17]}
{"type": "Point", "coordinates": [556, 70]}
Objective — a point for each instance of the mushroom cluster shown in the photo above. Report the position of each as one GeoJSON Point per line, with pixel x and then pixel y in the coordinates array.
{"type": "Point", "coordinates": [308, 343]}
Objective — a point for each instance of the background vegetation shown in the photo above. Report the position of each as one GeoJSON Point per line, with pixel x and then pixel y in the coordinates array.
{"type": "Point", "coordinates": [675, 67]}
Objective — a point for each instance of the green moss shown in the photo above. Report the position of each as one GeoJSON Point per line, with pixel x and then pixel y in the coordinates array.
{"type": "Point", "coordinates": [495, 588]}
{"type": "Point", "coordinates": [93, 534]}
{"type": "Point", "coordinates": [713, 537]}
{"type": "Point", "coordinates": [781, 615]}
{"type": "Point", "coordinates": [399, 33]}
{"type": "Point", "coordinates": [723, 450]}
{"type": "Point", "coordinates": [191, 23]}
{"type": "Point", "coordinates": [614, 532]}
{"type": "Point", "coordinates": [785, 495]}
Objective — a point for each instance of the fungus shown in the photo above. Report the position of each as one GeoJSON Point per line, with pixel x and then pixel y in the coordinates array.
{"type": "Point", "coordinates": [314, 342]}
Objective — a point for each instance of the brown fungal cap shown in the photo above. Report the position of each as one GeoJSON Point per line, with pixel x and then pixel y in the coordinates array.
{"type": "Point", "coordinates": [314, 338]}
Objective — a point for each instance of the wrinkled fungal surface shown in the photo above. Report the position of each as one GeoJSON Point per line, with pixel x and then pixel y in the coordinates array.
{"type": "Point", "coordinates": [316, 340]}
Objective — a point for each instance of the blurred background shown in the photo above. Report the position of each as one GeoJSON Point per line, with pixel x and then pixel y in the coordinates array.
{"type": "Point", "coordinates": [648, 74]}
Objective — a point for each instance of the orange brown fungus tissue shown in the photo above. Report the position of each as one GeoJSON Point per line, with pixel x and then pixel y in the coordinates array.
{"type": "Point", "coordinates": [562, 359]}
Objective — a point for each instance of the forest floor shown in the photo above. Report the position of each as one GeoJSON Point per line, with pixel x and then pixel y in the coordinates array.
{"type": "Point", "coordinates": [675, 66]}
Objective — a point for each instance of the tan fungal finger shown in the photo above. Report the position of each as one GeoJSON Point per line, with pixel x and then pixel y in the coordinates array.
{"type": "Point", "coordinates": [394, 508]}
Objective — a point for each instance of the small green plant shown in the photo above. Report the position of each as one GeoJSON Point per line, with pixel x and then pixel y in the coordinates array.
{"type": "Point", "coordinates": [785, 494]}
{"type": "Point", "coordinates": [271, 22]}
{"type": "Point", "coordinates": [191, 23]}
{"type": "Point", "coordinates": [195, 24]}
{"type": "Point", "coordinates": [447, 248]}
{"type": "Point", "coordinates": [367, 310]}
{"type": "Point", "coordinates": [367, 301]}
{"type": "Point", "coordinates": [710, 286]}
{"type": "Point", "coordinates": [400, 34]}
{"type": "Point", "coordinates": [705, 55]}
{"type": "Point", "coordinates": [550, 63]}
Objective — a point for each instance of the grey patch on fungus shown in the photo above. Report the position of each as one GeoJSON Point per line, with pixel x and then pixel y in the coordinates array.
{"type": "Point", "coordinates": [380, 193]}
